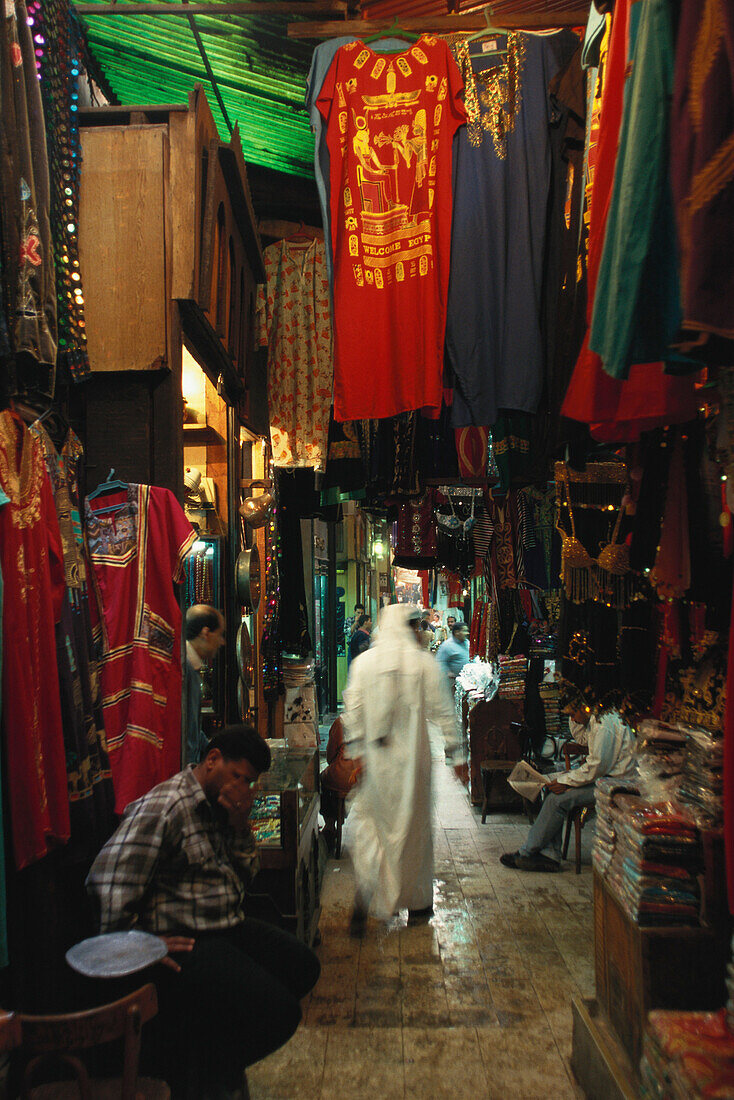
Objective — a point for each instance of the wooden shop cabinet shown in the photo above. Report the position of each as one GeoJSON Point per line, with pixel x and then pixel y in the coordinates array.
{"type": "Point", "coordinates": [170, 260]}
{"type": "Point", "coordinates": [285, 824]}
{"type": "Point", "coordinates": [638, 969]}
{"type": "Point", "coordinates": [170, 255]}
{"type": "Point", "coordinates": [489, 734]}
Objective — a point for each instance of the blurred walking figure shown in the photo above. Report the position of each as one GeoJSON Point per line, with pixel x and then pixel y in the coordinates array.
{"type": "Point", "coordinates": [394, 690]}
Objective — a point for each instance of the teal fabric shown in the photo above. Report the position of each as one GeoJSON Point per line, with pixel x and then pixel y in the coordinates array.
{"type": "Point", "coordinates": [592, 39]}
{"type": "Point", "coordinates": [637, 307]}
{"type": "Point", "coordinates": [3, 901]}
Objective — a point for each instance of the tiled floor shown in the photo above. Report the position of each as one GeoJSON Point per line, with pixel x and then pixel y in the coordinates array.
{"type": "Point", "coordinates": [476, 1004]}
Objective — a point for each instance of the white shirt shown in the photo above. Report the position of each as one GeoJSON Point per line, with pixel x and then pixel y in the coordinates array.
{"type": "Point", "coordinates": [193, 657]}
{"type": "Point", "coordinates": [610, 743]}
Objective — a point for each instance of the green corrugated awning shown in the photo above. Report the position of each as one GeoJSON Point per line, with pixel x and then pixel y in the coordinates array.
{"type": "Point", "coordinates": [260, 73]}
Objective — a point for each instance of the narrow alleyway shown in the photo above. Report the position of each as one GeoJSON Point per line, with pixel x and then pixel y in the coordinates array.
{"type": "Point", "coordinates": [474, 1004]}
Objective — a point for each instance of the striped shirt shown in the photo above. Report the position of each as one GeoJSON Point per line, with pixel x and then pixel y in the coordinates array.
{"type": "Point", "coordinates": [174, 864]}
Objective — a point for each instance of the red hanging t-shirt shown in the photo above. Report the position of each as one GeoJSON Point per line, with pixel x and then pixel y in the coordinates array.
{"type": "Point", "coordinates": [390, 121]}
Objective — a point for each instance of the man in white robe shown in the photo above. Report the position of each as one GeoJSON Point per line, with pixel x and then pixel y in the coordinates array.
{"type": "Point", "coordinates": [394, 691]}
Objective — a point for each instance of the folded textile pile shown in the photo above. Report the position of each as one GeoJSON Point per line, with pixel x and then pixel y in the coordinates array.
{"type": "Point", "coordinates": [656, 856]}
{"type": "Point", "coordinates": [702, 782]}
{"type": "Point", "coordinates": [686, 1055]}
{"type": "Point", "coordinates": [550, 693]}
{"type": "Point", "coordinates": [512, 677]}
{"type": "Point", "coordinates": [661, 754]}
{"type": "Point", "coordinates": [604, 834]}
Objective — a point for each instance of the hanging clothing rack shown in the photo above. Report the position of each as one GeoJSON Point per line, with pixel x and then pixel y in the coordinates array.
{"type": "Point", "coordinates": [443, 24]}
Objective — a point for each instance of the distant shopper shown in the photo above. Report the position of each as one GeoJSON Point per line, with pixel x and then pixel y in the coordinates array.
{"type": "Point", "coordinates": [393, 692]}
{"type": "Point", "coordinates": [204, 638]}
{"type": "Point", "coordinates": [361, 637]}
{"type": "Point", "coordinates": [350, 625]}
{"type": "Point", "coordinates": [453, 654]}
{"type": "Point", "coordinates": [610, 743]}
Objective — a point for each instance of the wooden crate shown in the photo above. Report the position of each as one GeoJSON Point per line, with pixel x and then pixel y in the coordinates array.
{"type": "Point", "coordinates": [638, 969]}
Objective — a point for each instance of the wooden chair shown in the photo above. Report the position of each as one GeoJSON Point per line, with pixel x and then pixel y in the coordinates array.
{"type": "Point", "coordinates": [340, 815]}
{"type": "Point", "coordinates": [59, 1039]}
{"type": "Point", "coordinates": [9, 1031]}
{"type": "Point", "coordinates": [579, 815]}
{"type": "Point", "coordinates": [489, 769]}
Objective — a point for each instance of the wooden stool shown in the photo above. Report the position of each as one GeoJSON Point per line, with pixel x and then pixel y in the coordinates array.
{"type": "Point", "coordinates": [489, 768]}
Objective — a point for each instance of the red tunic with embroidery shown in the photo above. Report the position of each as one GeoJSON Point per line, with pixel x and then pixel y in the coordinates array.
{"type": "Point", "coordinates": [33, 580]}
{"type": "Point", "coordinates": [390, 121]}
{"type": "Point", "coordinates": [138, 539]}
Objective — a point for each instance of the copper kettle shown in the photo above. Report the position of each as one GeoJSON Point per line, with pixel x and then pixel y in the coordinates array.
{"type": "Point", "coordinates": [256, 510]}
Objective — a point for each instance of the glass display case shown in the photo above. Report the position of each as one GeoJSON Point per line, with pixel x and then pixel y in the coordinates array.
{"type": "Point", "coordinates": [288, 794]}
{"type": "Point", "coordinates": [284, 821]}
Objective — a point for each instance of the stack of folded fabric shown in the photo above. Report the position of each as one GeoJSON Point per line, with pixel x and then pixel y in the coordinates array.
{"type": "Point", "coordinates": [512, 677]}
{"type": "Point", "coordinates": [661, 754]}
{"type": "Point", "coordinates": [686, 1055]}
{"type": "Point", "coordinates": [604, 834]}
{"type": "Point", "coordinates": [655, 859]}
{"type": "Point", "coordinates": [550, 693]}
{"type": "Point", "coordinates": [702, 782]}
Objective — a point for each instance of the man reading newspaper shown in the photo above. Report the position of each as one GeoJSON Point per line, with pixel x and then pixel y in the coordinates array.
{"type": "Point", "coordinates": [609, 742]}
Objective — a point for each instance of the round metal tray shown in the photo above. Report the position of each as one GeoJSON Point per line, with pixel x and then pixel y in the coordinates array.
{"type": "Point", "coordinates": [116, 954]}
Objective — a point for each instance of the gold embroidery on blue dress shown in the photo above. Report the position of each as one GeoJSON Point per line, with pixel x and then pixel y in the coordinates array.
{"type": "Point", "coordinates": [492, 98]}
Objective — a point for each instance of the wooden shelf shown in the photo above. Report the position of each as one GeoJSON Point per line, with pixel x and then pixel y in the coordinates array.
{"type": "Point", "coordinates": [198, 435]}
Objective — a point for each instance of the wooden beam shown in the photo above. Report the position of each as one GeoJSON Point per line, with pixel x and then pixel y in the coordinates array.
{"type": "Point", "coordinates": [439, 24]}
{"type": "Point", "coordinates": [209, 71]}
{"type": "Point", "coordinates": [279, 229]}
{"type": "Point", "coordinates": [233, 7]}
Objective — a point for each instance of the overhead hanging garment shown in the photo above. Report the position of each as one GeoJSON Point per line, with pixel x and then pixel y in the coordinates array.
{"type": "Point", "coordinates": [28, 260]}
{"type": "Point", "coordinates": [33, 578]}
{"type": "Point", "coordinates": [91, 797]}
{"type": "Point", "coordinates": [294, 322]}
{"type": "Point", "coordinates": [390, 121]}
{"type": "Point", "coordinates": [502, 171]}
{"type": "Point", "coordinates": [322, 58]}
{"type": "Point", "coordinates": [138, 539]}
{"type": "Point", "coordinates": [615, 409]}
{"type": "Point", "coordinates": [702, 162]}
{"type": "Point", "coordinates": [637, 303]}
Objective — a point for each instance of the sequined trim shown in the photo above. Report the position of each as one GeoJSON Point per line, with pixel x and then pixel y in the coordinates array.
{"type": "Point", "coordinates": [492, 97]}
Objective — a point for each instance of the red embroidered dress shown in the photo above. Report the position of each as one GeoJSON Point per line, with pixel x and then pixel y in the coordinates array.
{"type": "Point", "coordinates": [390, 121]}
{"type": "Point", "coordinates": [138, 539]}
{"type": "Point", "coordinates": [33, 576]}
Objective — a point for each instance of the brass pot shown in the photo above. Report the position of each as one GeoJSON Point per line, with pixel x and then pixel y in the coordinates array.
{"type": "Point", "coordinates": [256, 510]}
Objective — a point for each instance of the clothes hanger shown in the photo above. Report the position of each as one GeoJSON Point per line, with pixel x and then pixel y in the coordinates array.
{"type": "Point", "coordinates": [488, 30]}
{"type": "Point", "coordinates": [393, 31]}
{"type": "Point", "coordinates": [301, 234]}
{"type": "Point", "coordinates": [108, 486]}
{"type": "Point", "coordinates": [28, 411]}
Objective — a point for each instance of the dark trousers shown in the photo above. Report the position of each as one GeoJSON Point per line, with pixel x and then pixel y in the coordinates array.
{"type": "Point", "coordinates": [235, 1001]}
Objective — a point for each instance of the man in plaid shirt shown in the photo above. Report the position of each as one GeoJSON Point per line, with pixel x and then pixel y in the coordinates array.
{"type": "Point", "coordinates": [177, 867]}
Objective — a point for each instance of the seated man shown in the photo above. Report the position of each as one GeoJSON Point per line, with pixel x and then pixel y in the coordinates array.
{"type": "Point", "coordinates": [177, 866]}
{"type": "Point", "coordinates": [337, 779]}
{"type": "Point", "coordinates": [610, 743]}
